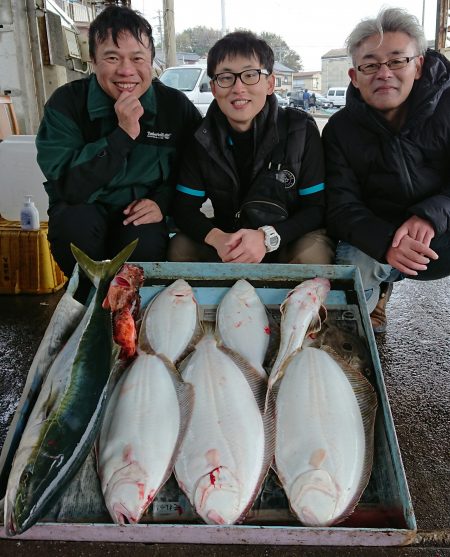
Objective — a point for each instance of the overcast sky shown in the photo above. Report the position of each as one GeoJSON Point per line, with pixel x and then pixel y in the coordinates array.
{"type": "Point", "coordinates": [310, 27]}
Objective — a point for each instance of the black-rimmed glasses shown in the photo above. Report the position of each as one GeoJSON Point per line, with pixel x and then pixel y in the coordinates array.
{"type": "Point", "coordinates": [248, 77]}
{"type": "Point", "coordinates": [393, 64]}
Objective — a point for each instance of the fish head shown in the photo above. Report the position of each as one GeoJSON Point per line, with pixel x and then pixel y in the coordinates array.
{"type": "Point", "coordinates": [314, 497]}
{"type": "Point", "coordinates": [243, 291]}
{"type": "Point", "coordinates": [180, 288]}
{"type": "Point", "coordinates": [217, 497]}
{"type": "Point", "coordinates": [127, 495]}
{"type": "Point", "coordinates": [312, 291]}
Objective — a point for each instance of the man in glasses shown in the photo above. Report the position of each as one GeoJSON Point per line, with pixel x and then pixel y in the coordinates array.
{"type": "Point", "coordinates": [260, 166]}
{"type": "Point", "coordinates": [388, 159]}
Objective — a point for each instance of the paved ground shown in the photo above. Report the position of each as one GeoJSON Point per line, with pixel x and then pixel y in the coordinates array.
{"type": "Point", "coordinates": [415, 357]}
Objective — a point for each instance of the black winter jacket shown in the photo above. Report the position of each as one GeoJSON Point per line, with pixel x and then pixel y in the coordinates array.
{"type": "Point", "coordinates": [209, 171]}
{"type": "Point", "coordinates": [377, 178]}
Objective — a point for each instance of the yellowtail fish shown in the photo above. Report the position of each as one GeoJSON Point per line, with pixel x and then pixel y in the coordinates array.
{"type": "Point", "coordinates": [67, 414]}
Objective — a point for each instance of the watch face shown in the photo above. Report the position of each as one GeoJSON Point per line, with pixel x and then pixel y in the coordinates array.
{"type": "Point", "coordinates": [273, 241]}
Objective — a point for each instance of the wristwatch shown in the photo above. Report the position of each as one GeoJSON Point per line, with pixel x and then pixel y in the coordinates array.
{"type": "Point", "coordinates": [271, 238]}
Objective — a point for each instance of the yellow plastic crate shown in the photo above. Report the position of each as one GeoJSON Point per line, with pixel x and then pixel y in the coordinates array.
{"type": "Point", "coordinates": [26, 263]}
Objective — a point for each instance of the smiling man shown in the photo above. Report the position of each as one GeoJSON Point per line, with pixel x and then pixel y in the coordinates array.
{"type": "Point", "coordinates": [109, 147]}
{"type": "Point", "coordinates": [260, 166]}
{"type": "Point", "coordinates": [388, 159]}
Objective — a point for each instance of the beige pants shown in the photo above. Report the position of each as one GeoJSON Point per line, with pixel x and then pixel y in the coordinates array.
{"type": "Point", "coordinates": [313, 248]}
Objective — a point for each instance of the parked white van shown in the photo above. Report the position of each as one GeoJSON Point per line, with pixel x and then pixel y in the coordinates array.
{"type": "Point", "coordinates": [193, 80]}
{"type": "Point", "coordinates": [336, 95]}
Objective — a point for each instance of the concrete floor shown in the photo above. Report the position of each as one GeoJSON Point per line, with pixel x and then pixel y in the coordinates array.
{"type": "Point", "coordinates": [415, 357]}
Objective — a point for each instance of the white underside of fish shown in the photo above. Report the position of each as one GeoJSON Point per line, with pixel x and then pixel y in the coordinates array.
{"type": "Point", "coordinates": [320, 440]}
{"type": "Point", "coordinates": [221, 461]}
{"type": "Point", "coordinates": [138, 438]}
{"type": "Point", "coordinates": [170, 321]}
{"type": "Point", "coordinates": [299, 315]}
{"type": "Point", "coordinates": [243, 325]}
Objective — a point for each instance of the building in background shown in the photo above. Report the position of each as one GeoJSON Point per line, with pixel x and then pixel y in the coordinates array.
{"type": "Point", "coordinates": [283, 78]}
{"type": "Point", "coordinates": [307, 80]}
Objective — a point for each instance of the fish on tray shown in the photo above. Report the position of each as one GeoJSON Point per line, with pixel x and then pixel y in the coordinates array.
{"type": "Point", "coordinates": [325, 415]}
{"type": "Point", "coordinates": [302, 312]}
{"type": "Point", "coordinates": [67, 414]}
{"type": "Point", "coordinates": [150, 408]}
{"type": "Point", "coordinates": [228, 446]}
{"type": "Point", "coordinates": [124, 301]}
{"type": "Point", "coordinates": [242, 324]}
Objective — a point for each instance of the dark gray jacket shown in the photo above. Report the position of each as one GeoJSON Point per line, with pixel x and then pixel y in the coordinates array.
{"type": "Point", "coordinates": [376, 177]}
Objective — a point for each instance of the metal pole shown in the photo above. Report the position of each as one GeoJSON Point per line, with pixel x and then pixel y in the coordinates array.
{"type": "Point", "coordinates": [31, 8]}
{"type": "Point", "coordinates": [423, 13]}
{"type": "Point", "coordinates": [170, 48]}
{"type": "Point", "coordinates": [224, 26]}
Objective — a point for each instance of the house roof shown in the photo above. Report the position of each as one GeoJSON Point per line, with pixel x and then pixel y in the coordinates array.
{"type": "Point", "coordinates": [279, 67]}
{"type": "Point", "coordinates": [306, 74]}
{"type": "Point", "coordinates": [336, 53]}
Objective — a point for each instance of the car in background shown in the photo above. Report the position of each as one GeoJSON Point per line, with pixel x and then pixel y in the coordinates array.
{"type": "Point", "coordinates": [296, 99]}
{"type": "Point", "coordinates": [322, 102]}
{"type": "Point", "coordinates": [283, 102]}
{"type": "Point", "coordinates": [336, 95]}
{"type": "Point", "coordinates": [193, 81]}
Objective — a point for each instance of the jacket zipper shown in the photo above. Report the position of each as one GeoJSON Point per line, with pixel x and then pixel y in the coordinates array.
{"type": "Point", "coordinates": [404, 165]}
{"type": "Point", "coordinates": [238, 214]}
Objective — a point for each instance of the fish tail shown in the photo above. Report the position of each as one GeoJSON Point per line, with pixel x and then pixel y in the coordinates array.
{"type": "Point", "coordinates": [102, 270]}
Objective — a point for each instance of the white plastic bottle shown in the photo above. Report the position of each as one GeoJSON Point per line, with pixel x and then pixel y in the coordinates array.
{"type": "Point", "coordinates": [29, 215]}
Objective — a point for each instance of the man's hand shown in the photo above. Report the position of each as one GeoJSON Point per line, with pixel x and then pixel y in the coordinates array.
{"type": "Point", "coordinates": [416, 228]}
{"type": "Point", "coordinates": [142, 211]}
{"type": "Point", "coordinates": [243, 246]}
{"type": "Point", "coordinates": [129, 109]}
{"type": "Point", "coordinates": [410, 251]}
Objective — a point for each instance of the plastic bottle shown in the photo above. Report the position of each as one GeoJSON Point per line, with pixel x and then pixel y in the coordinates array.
{"type": "Point", "coordinates": [29, 215]}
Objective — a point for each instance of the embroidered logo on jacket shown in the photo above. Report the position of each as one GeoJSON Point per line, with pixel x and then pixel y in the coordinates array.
{"type": "Point", "coordinates": [159, 135]}
{"type": "Point", "coordinates": [287, 177]}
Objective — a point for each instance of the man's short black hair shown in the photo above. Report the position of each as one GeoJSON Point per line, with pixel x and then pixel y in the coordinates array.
{"type": "Point", "coordinates": [117, 20]}
{"type": "Point", "coordinates": [240, 43]}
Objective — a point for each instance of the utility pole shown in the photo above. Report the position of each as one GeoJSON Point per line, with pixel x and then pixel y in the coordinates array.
{"type": "Point", "coordinates": [224, 25]}
{"type": "Point", "coordinates": [442, 24]}
{"type": "Point", "coordinates": [170, 48]}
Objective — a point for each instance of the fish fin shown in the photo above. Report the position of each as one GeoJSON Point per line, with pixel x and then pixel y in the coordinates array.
{"type": "Point", "coordinates": [97, 270]}
{"type": "Point", "coordinates": [368, 403]}
{"type": "Point", "coordinates": [316, 322]}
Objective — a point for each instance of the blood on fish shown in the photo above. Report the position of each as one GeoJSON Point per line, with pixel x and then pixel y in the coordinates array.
{"type": "Point", "coordinates": [127, 453]}
{"type": "Point", "coordinates": [238, 324]}
{"type": "Point", "coordinates": [267, 330]}
{"type": "Point", "coordinates": [141, 490]}
{"type": "Point", "coordinates": [212, 478]}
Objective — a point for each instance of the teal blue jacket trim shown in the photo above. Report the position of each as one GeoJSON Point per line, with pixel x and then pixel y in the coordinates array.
{"type": "Point", "coordinates": [312, 189]}
{"type": "Point", "coordinates": [190, 191]}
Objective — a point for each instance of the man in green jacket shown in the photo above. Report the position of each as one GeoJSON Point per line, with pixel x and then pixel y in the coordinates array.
{"type": "Point", "coordinates": [109, 146]}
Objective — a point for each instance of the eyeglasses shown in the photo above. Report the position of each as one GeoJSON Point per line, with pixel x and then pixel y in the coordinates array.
{"type": "Point", "coordinates": [393, 64]}
{"type": "Point", "coordinates": [248, 77]}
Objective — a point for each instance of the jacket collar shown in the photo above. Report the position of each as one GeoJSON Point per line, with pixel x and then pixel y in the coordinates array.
{"type": "Point", "coordinates": [101, 105]}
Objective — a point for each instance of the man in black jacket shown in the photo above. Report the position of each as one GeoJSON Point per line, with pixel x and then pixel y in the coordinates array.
{"type": "Point", "coordinates": [388, 159]}
{"type": "Point", "coordinates": [109, 147]}
{"type": "Point", "coordinates": [260, 166]}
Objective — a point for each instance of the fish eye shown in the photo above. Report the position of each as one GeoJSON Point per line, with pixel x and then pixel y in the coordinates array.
{"type": "Point", "coordinates": [347, 346]}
